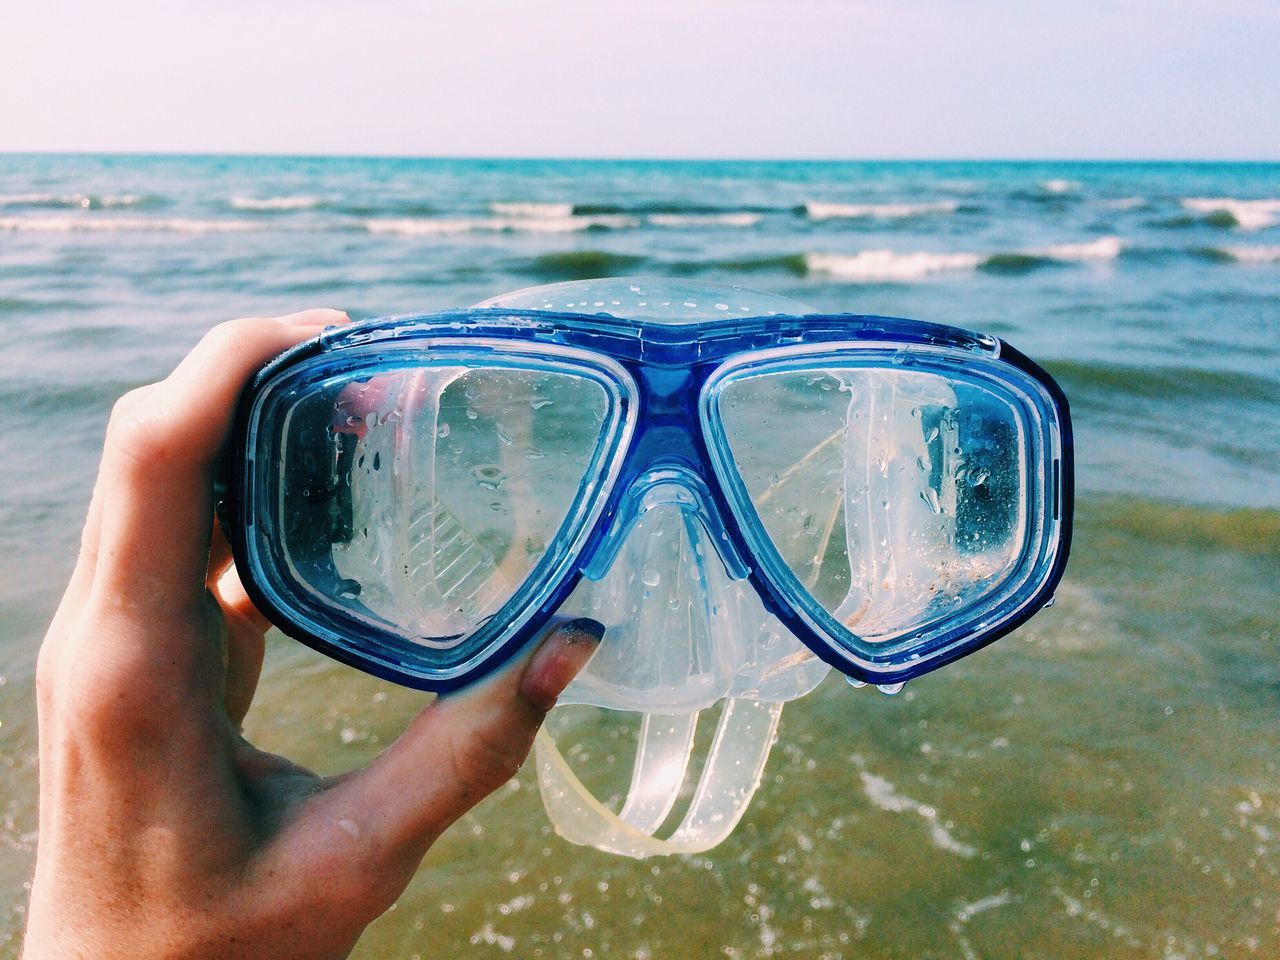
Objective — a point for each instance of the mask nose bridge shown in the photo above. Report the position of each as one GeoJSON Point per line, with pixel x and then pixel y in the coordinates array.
{"type": "Point", "coordinates": [671, 483]}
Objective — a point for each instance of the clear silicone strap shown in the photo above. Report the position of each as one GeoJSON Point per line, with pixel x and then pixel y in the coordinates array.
{"type": "Point", "coordinates": [662, 757]}
{"type": "Point", "coordinates": [729, 779]}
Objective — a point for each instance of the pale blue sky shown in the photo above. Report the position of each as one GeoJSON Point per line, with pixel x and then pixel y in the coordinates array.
{"type": "Point", "coordinates": [717, 78]}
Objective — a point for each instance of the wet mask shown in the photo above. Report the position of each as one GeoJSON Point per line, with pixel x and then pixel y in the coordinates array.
{"type": "Point", "coordinates": [744, 492]}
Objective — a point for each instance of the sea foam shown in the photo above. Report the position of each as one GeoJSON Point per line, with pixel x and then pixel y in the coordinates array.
{"type": "Point", "coordinates": [73, 224]}
{"type": "Point", "coordinates": [872, 265]}
{"type": "Point", "coordinates": [273, 204]}
{"type": "Point", "coordinates": [704, 219]}
{"type": "Point", "coordinates": [879, 211]}
{"type": "Point", "coordinates": [418, 226]}
{"type": "Point", "coordinates": [1248, 214]}
{"type": "Point", "coordinates": [890, 265]}
{"type": "Point", "coordinates": [1253, 254]}
{"type": "Point", "coordinates": [74, 201]}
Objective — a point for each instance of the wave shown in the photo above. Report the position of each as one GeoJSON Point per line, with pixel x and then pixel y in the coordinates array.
{"type": "Point", "coordinates": [581, 265]}
{"type": "Point", "coordinates": [1249, 531]}
{"type": "Point", "coordinates": [646, 208]}
{"type": "Point", "coordinates": [1104, 382]}
{"type": "Point", "coordinates": [77, 201]}
{"type": "Point", "coordinates": [740, 219]}
{"type": "Point", "coordinates": [561, 212]}
{"type": "Point", "coordinates": [1230, 212]}
{"type": "Point", "coordinates": [74, 224]}
{"type": "Point", "coordinates": [553, 211]}
{"type": "Point", "coordinates": [888, 265]}
{"type": "Point", "coordinates": [873, 265]}
{"type": "Point", "coordinates": [1269, 254]}
{"type": "Point", "coordinates": [1059, 186]}
{"type": "Point", "coordinates": [275, 204]}
{"type": "Point", "coordinates": [878, 211]}
{"type": "Point", "coordinates": [417, 226]}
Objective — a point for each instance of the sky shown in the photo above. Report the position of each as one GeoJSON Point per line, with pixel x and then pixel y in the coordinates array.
{"type": "Point", "coordinates": [1186, 79]}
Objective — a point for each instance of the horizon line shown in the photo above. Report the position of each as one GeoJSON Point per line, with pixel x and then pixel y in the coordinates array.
{"type": "Point", "coordinates": [605, 158]}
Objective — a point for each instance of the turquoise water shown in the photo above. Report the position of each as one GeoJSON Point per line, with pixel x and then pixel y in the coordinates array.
{"type": "Point", "coordinates": [1109, 774]}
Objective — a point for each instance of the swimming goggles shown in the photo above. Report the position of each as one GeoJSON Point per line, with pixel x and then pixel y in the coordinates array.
{"type": "Point", "coordinates": [417, 496]}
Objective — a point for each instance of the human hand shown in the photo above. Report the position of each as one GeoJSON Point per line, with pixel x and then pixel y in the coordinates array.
{"type": "Point", "coordinates": [162, 832]}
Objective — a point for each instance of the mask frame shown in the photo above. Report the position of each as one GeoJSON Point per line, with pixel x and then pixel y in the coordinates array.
{"type": "Point", "coordinates": [663, 380]}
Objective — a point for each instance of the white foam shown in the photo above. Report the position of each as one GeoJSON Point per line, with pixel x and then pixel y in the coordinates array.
{"type": "Point", "coordinates": [415, 226]}
{"type": "Point", "coordinates": [1104, 248]}
{"type": "Point", "coordinates": [1254, 254]}
{"type": "Point", "coordinates": [871, 265]}
{"type": "Point", "coordinates": [884, 795]}
{"type": "Point", "coordinates": [532, 209]}
{"type": "Point", "coordinates": [81, 200]}
{"type": "Point", "coordinates": [704, 219]}
{"type": "Point", "coordinates": [74, 224]}
{"type": "Point", "coordinates": [275, 203]}
{"type": "Point", "coordinates": [880, 211]}
{"type": "Point", "coordinates": [1059, 186]}
{"type": "Point", "coordinates": [412, 226]}
{"type": "Point", "coordinates": [1248, 214]}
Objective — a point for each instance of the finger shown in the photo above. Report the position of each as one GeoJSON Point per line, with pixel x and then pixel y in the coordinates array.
{"type": "Point", "coordinates": [461, 748]}
{"type": "Point", "coordinates": [157, 466]}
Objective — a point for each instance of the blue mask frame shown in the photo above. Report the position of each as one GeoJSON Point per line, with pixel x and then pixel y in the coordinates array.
{"type": "Point", "coordinates": [663, 381]}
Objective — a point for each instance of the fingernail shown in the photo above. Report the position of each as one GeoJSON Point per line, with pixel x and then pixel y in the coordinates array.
{"type": "Point", "coordinates": [565, 651]}
{"type": "Point", "coordinates": [582, 630]}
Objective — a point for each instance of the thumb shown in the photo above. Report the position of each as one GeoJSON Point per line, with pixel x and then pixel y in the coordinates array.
{"type": "Point", "coordinates": [461, 748]}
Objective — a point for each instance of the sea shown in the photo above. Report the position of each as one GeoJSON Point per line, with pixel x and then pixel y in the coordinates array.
{"type": "Point", "coordinates": [1103, 783]}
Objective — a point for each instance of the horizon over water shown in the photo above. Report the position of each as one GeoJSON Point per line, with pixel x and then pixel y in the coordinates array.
{"type": "Point", "coordinates": [1105, 782]}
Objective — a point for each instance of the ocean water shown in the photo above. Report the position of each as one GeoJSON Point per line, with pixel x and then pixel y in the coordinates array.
{"type": "Point", "coordinates": [1103, 783]}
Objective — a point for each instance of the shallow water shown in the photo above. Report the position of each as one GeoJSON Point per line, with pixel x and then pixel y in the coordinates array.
{"type": "Point", "coordinates": [1102, 783]}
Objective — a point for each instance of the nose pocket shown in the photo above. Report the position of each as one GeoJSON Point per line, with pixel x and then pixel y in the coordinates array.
{"type": "Point", "coordinates": [659, 583]}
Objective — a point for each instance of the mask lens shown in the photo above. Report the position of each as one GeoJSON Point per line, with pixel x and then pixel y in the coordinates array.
{"type": "Point", "coordinates": [420, 498]}
{"type": "Point", "coordinates": [896, 496]}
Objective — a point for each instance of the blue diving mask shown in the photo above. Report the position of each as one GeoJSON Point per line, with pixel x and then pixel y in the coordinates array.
{"type": "Point", "coordinates": [744, 492]}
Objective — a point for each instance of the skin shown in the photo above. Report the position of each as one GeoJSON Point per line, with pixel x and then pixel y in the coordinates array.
{"type": "Point", "coordinates": [163, 833]}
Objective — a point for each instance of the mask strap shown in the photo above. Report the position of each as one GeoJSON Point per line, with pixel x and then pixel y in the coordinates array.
{"type": "Point", "coordinates": [732, 772]}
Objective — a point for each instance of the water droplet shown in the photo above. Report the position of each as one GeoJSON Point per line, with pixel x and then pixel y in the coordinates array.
{"type": "Point", "coordinates": [978, 478]}
{"type": "Point", "coordinates": [931, 436]}
{"type": "Point", "coordinates": [651, 578]}
{"type": "Point", "coordinates": [442, 431]}
{"type": "Point", "coordinates": [855, 682]}
{"type": "Point", "coordinates": [930, 497]}
{"type": "Point", "coordinates": [488, 476]}
{"type": "Point", "coordinates": [889, 689]}
{"type": "Point", "coordinates": [539, 404]}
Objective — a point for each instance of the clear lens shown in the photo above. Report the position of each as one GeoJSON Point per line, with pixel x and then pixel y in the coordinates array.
{"type": "Point", "coordinates": [420, 498]}
{"type": "Point", "coordinates": [896, 496]}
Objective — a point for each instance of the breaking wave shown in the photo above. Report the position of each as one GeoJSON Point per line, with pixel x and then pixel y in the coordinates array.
{"type": "Point", "coordinates": [877, 211]}
{"type": "Point", "coordinates": [275, 204]}
{"type": "Point", "coordinates": [1230, 212]}
{"type": "Point", "coordinates": [77, 201]}
{"type": "Point", "coordinates": [74, 224]}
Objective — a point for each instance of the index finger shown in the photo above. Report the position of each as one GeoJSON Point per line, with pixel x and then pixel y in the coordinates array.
{"type": "Point", "coordinates": [156, 476]}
